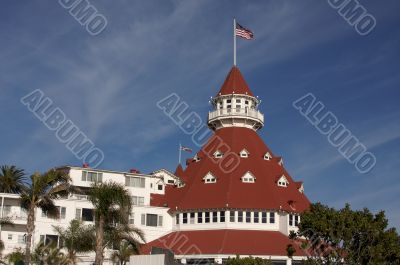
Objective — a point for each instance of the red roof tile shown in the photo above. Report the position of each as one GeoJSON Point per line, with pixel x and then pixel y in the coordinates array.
{"type": "Point", "coordinates": [229, 191]}
{"type": "Point", "coordinates": [235, 84]}
{"type": "Point", "coordinates": [229, 242]}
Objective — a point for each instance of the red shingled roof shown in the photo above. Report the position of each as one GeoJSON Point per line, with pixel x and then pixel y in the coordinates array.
{"type": "Point", "coordinates": [229, 191]}
{"type": "Point", "coordinates": [229, 242]}
{"type": "Point", "coordinates": [235, 84]}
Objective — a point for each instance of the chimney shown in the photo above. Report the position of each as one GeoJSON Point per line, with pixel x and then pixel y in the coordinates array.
{"type": "Point", "coordinates": [134, 170]}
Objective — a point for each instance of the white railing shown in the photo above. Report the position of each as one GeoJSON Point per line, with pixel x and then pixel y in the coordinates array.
{"type": "Point", "coordinates": [251, 113]}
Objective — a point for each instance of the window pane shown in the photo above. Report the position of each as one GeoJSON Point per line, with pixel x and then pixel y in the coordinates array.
{"type": "Point", "coordinates": [87, 215]}
{"type": "Point", "coordinates": [143, 219]}
{"type": "Point", "coordinates": [232, 216]}
{"type": "Point", "coordinates": [240, 216]}
{"type": "Point", "coordinates": [177, 219]}
{"type": "Point", "coordinates": [272, 217]}
{"type": "Point", "coordinates": [290, 220]}
{"type": "Point", "coordinates": [256, 215]}
{"type": "Point", "coordinates": [207, 217]}
{"type": "Point", "coordinates": [264, 217]}
{"type": "Point", "coordinates": [248, 217]}
{"type": "Point", "coordinates": [160, 220]}
{"type": "Point", "coordinates": [184, 218]}
{"type": "Point", "coordinates": [215, 217]}
{"type": "Point", "coordinates": [100, 177]}
{"type": "Point", "coordinates": [78, 213]}
{"type": "Point", "coordinates": [222, 217]}
{"type": "Point", "coordinates": [63, 212]}
{"type": "Point", "coordinates": [200, 218]}
{"type": "Point", "coordinates": [151, 220]}
{"type": "Point", "coordinates": [84, 173]}
{"type": "Point", "coordinates": [192, 215]}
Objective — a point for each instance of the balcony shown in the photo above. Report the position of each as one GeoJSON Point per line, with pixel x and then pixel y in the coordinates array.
{"type": "Point", "coordinates": [243, 113]}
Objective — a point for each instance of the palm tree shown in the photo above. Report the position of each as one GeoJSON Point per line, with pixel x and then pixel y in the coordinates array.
{"type": "Point", "coordinates": [112, 204]}
{"type": "Point", "coordinates": [41, 193]}
{"type": "Point", "coordinates": [12, 179]}
{"type": "Point", "coordinates": [76, 238]}
{"type": "Point", "coordinates": [48, 254]}
{"type": "Point", "coordinates": [122, 254]}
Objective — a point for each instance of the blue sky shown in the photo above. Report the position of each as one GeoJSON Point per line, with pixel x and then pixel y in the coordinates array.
{"type": "Point", "coordinates": [108, 84]}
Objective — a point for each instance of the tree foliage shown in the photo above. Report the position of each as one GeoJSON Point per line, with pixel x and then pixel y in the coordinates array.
{"type": "Point", "coordinates": [12, 179]}
{"type": "Point", "coordinates": [247, 261]}
{"type": "Point", "coordinates": [76, 238]}
{"type": "Point", "coordinates": [347, 236]}
{"type": "Point", "coordinates": [41, 193]}
{"type": "Point", "coordinates": [112, 205]}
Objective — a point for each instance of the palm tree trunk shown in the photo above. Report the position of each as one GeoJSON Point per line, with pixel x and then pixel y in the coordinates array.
{"type": "Point", "coordinates": [99, 241]}
{"type": "Point", "coordinates": [30, 227]}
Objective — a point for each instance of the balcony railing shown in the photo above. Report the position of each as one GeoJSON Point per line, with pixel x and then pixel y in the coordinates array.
{"type": "Point", "coordinates": [251, 113]}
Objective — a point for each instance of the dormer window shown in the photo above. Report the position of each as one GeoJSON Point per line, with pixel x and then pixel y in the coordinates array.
{"type": "Point", "coordinates": [282, 181]}
{"type": "Point", "coordinates": [244, 153]}
{"type": "Point", "coordinates": [218, 154]}
{"type": "Point", "coordinates": [209, 178]}
{"type": "Point", "coordinates": [280, 162]}
{"type": "Point", "coordinates": [181, 184]}
{"type": "Point", "coordinates": [267, 156]}
{"type": "Point", "coordinates": [196, 158]}
{"type": "Point", "coordinates": [248, 178]}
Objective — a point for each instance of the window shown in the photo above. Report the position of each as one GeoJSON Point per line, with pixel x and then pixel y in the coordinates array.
{"type": "Point", "coordinates": [246, 102]}
{"type": "Point", "coordinates": [215, 217]}
{"type": "Point", "coordinates": [228, 101]}
{"type": "Point", "coordinates": [171, 181]}
{"type": "Point", "coordinates": [248, 178]}
{"type": "Point", "coordinates": [192, 218]}
{"type": "Point", "coordinates": [218, 154]}
{"type": "Point", "coordinates": [209, 178]}
{"type": "Point", "coordinates": [196, 158]}
{"type": "Point", "coordinates": [10, 236]}
{"type": "Point", "coordinates": [160, 220]}
{"type": "Point", "coordinates": [232, 216]}
{"type": "Point", "coordinates": [238, 100]}
{"type": "Point", "coordinates": [207, 217]}
{"type": "Point", "coordinates": [282, 181]}
{"type": "Point", "coordinates": [244, 153]}
{"type": "Point", "coordinates": [248, 217]}
{"type": "Point", "coordinates": [272, 217]}
{"type": "Point", "coordinates": [291, 220]}
{"type": "Point", "coordinates": [21, 239]}
{"type": "Point", "coordinates": [135, 182]}
{"type": "Point", "coordinates": [240, 216]}
{"type": "Point", "coordinates": [143, 219]}
{"type": "Point", "coordinates": [151, 220]}
{"type": "Point", "coordinates": [132, 218]}
{"type": "Point", "coordinates": [177, 219]}
{"type": "Point", "coordinates": [49, 239]}
{"type": "Point", "coordinates": [296, 220]}
{"type": "Point", "coordinates": [84, 214]}
{"type": "Point", "coordinates": [137, 201]}
{"type": "Point", "coordinates": [160, 187]}
{"type": "Point", "coordinates": [199, 218]}
{"type": "Point", "coordinates": [63, 212]}
{"type": "Point", "coordinates": [267, 156]}
{"type": "Point", "coordinates": [92, 176]}
{"type": "Point", "coordinates": [256, 217]}
{"type": "Point", "coordinates": [238, 108]}
{"type": "Point", "coordinates": [7, 209]}
{"type": "Point", "coordinates": [264, 217]}
{"type": "Point", "coordinates": [222, 216]}
{"type": "Point", "coordinates": [184, 218]}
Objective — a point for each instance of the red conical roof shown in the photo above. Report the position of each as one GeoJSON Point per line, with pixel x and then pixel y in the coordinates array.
{"type": "Point", "coordinates": [235, 84]}
{"type": "Point", "coordinates": [229, 191]}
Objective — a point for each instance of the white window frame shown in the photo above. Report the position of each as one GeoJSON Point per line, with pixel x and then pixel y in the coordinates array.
{"type": "Point", "coordinates": [248, 177]}
{"type": "Point", "coordinates": [267, 156]}
{"type": "Point", "coordinates": [209, 178]}
{"type": "Point", "coordinates": [244, 153]}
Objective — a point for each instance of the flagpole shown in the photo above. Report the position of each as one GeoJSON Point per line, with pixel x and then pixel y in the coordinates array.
{"type": "Point", "coordinates": [234, 41]}
{"type": "Point", "coordinates": [180, 150]}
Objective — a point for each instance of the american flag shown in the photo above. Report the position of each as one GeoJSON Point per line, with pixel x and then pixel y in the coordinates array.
{"type": "Point", "coordinates": [243, 32]}
{"type": "Point", "coordinates": [187, 149]}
